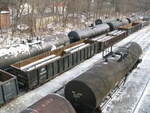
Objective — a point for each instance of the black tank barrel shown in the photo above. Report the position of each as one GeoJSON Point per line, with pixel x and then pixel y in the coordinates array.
{"type": "Point", "coordinates": [105, 20]}
{"type": "Point", "coordinates": [87, 91]}
{"type": "Point", "coordinates": [133, 19]}
{"type": "Point", "coordinates": [88, 32]}
{"type": "Point", "coordinates": [116, 24]}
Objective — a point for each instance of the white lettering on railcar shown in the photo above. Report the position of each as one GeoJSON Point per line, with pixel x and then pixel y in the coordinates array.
{"type": "Point", "coordinates": [76, 94]}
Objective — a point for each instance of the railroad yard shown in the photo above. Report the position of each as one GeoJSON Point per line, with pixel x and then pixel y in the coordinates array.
{"type": "Point", "coordinates": [131, 97]}
{"type": "Point", "coordinates": [66, 56]}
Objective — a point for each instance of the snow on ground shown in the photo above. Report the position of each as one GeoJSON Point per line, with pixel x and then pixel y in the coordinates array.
{"type": "Point", "coordinates": [124, 101]}
{"type": "Point", "coordinates": [144, 104]}
{"type": "Point", "coordinates": [6, 38]}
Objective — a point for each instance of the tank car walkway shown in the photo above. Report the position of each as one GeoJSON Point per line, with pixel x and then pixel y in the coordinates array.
{"type": "Point", "coordinates": [126, 99]}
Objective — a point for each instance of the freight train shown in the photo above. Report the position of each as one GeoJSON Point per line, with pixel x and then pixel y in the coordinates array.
{"type": "Point", "coordinates": [37, 70]}
{"type": "Point", "coordinates": [88, 90]}
{"type": "Point", "coordinates": [34, 71]}
{"type": "Point", "coordinates": [20, 52]}
{"type": "Point", "coordinates": [99, 29]}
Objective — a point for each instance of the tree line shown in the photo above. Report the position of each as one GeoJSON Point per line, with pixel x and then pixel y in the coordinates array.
{"type": "Point", "coordinates": [73, 10]}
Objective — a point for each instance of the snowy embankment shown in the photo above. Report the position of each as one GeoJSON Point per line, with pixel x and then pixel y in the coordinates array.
{"type": "Point", "coordinates": [125, 99]}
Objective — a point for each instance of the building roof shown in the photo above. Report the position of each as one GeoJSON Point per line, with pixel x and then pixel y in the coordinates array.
{"type": "Point", "coordinates": [60, 4]}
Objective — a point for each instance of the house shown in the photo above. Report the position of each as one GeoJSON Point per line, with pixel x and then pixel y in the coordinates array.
{"type": "Point", "coordinates": [60, 8]}
{"type": "Point", "coordinates": [4, 15]}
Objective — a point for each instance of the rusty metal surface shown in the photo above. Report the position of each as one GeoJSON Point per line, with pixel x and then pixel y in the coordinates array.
{"type": "Point", "coordinates": [52, 103]}
{"type": "Point", "coordinates": [131, 28]}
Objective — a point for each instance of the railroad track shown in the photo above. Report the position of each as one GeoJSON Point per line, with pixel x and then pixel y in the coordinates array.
{"type": "Point", "coordinates": [145, 49]}
{"type": "Point", "coordinates": [135, 39]}
{"type": "Point", "coordinates": [137, 36]}
{"type": "Point", "coordinates": [112, 94]}
{"type": "Point", "coordinates": [60, 90]}
{"type": "Point", "coordinates": [135, 110]}
{"type": "Point", "coordinates": [116, 90]}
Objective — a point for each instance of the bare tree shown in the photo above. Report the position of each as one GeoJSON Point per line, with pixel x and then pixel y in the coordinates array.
{"type": "Point", "coordinates": [76, 9]}
{"type": "Point", "coordinates": [1, 22]}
